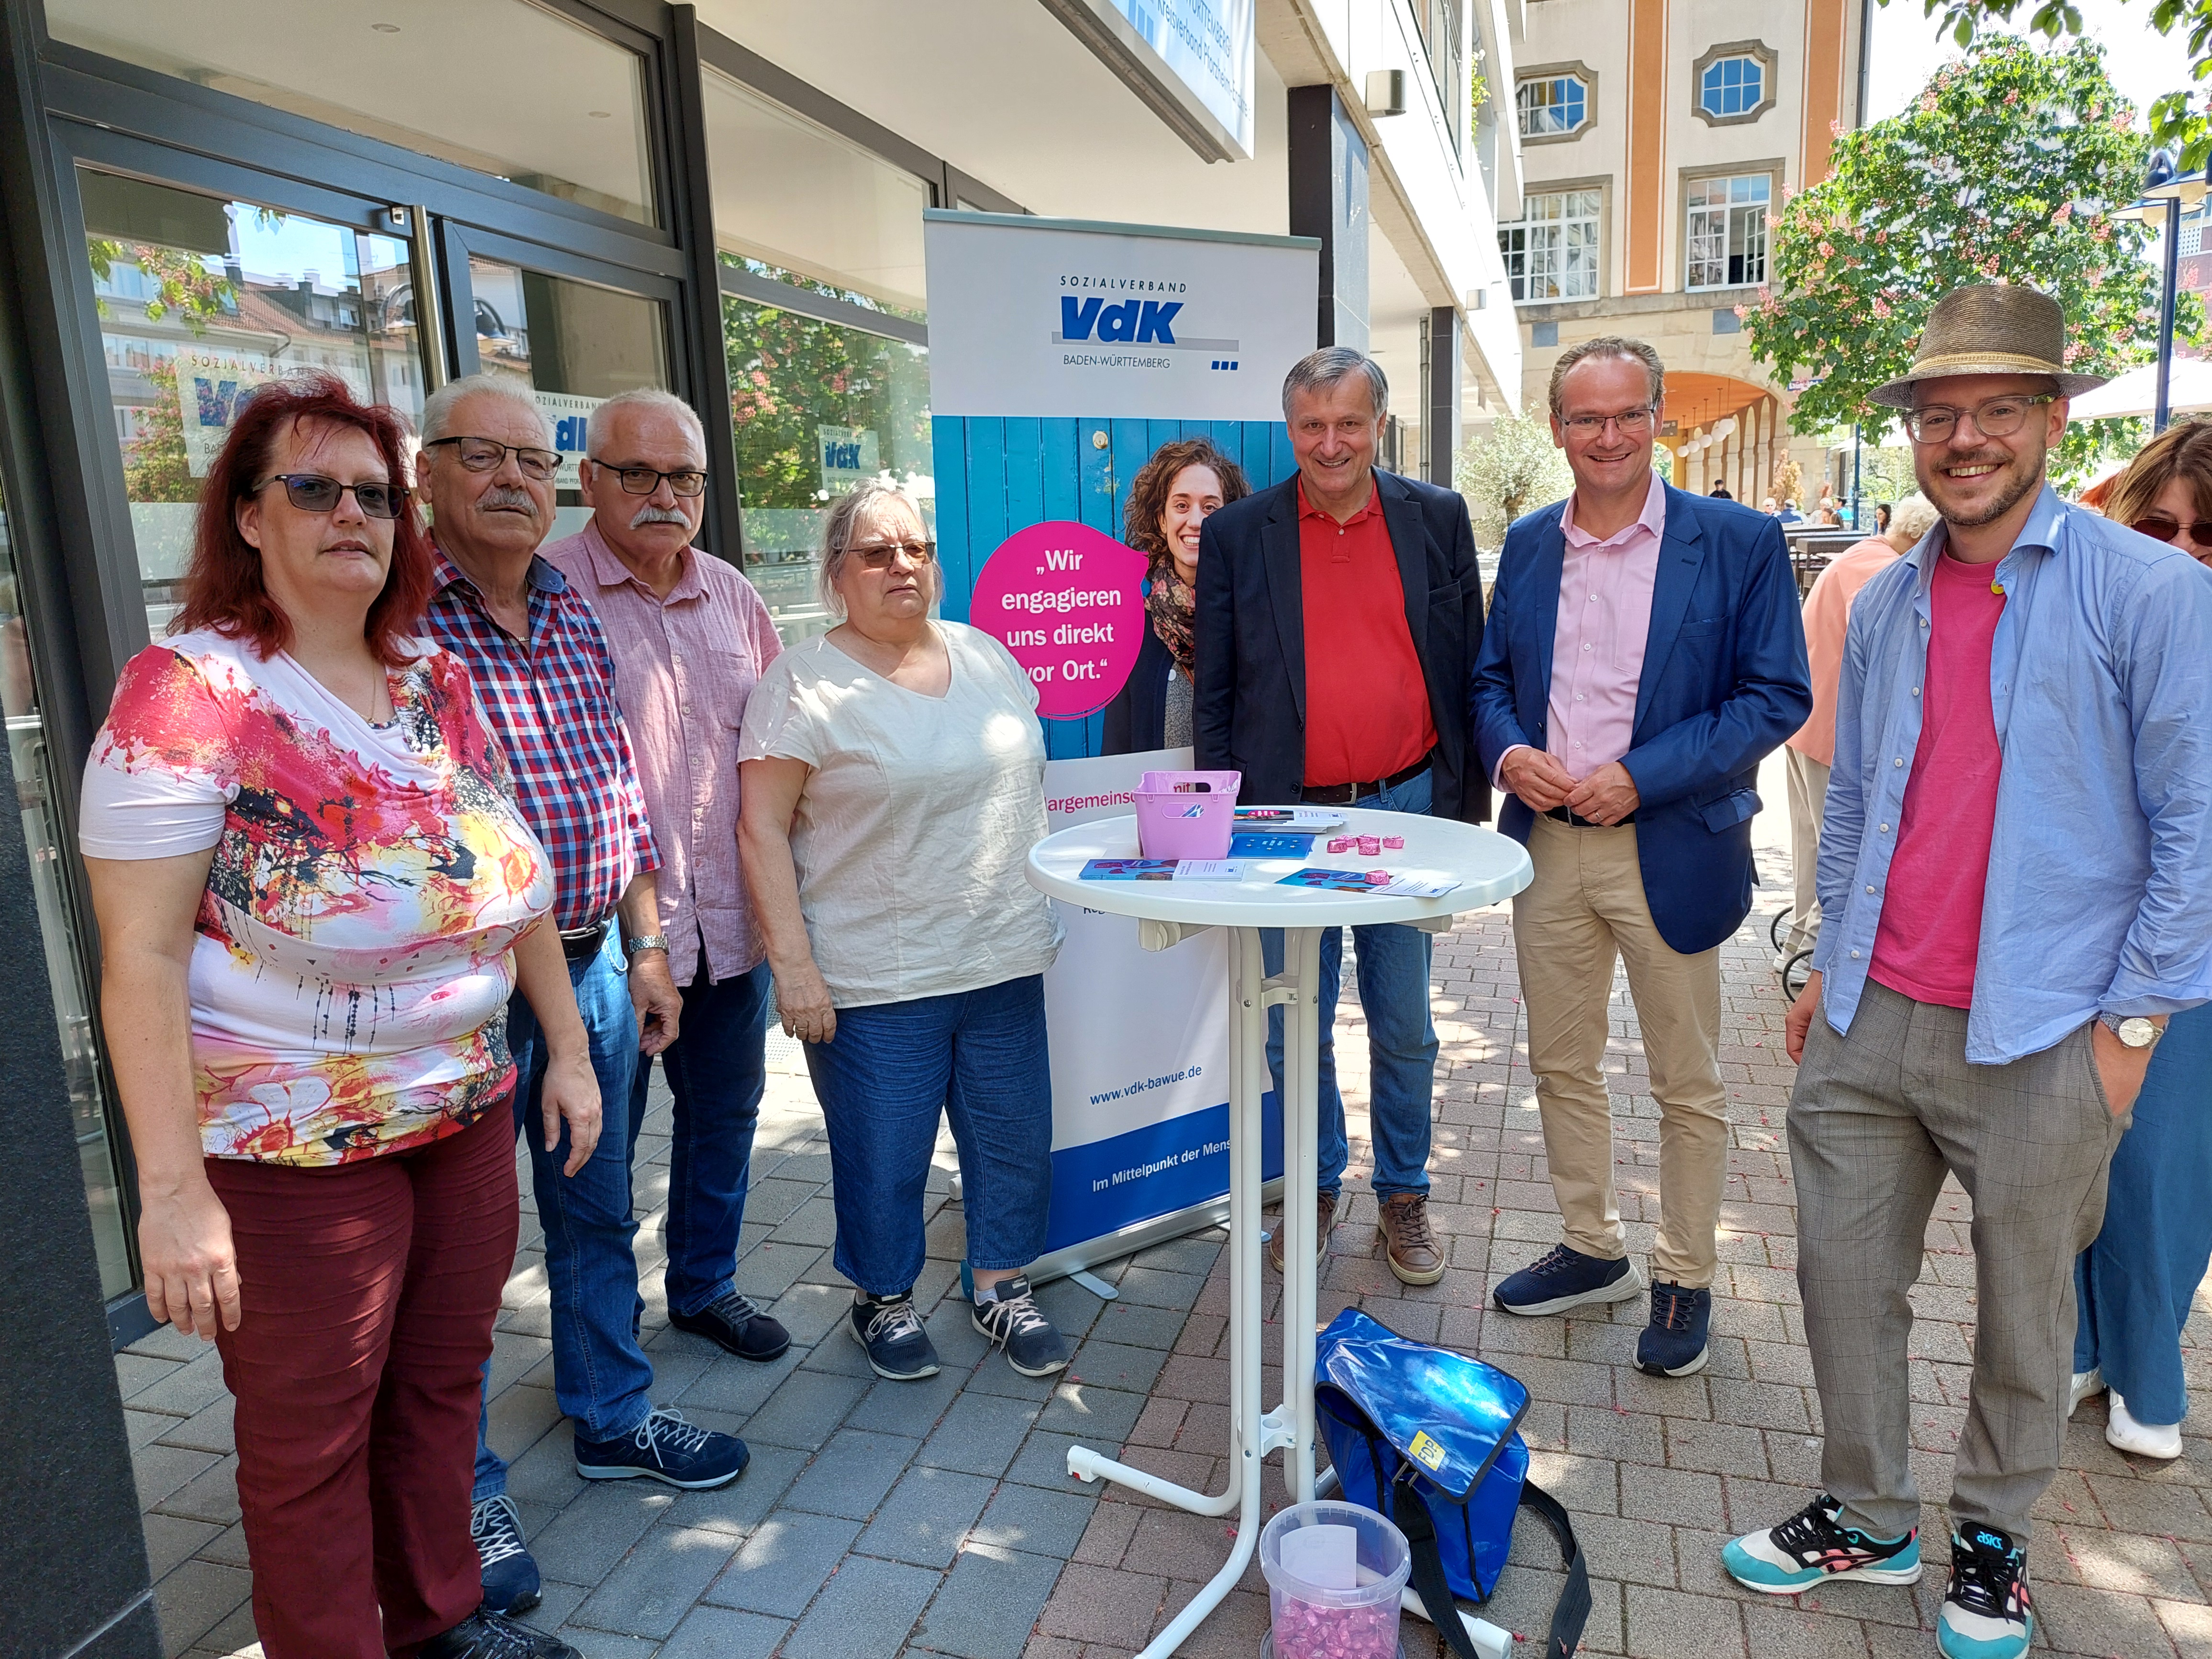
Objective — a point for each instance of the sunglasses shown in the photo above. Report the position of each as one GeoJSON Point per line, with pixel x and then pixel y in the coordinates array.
{"type": "Point", "coordinates": [2163, 528]}
{"type": "Point", "coordinates": [879, 556]}
{"type": "Point", "coordinates": [311, 492]}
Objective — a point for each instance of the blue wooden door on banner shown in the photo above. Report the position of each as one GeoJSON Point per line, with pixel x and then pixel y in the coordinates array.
{"type": "Point", "coordinates": [995, 476]}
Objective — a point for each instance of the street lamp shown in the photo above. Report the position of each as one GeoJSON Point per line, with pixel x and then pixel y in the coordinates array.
{"type": "Point", "coordinates": [2166, 191]}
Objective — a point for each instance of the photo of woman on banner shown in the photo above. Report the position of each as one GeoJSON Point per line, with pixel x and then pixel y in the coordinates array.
{"type": "Point", "coordinates": [1185, 482]}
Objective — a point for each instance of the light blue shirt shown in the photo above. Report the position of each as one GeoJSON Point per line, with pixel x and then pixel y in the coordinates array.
{"type": "Point", "coordinates": [2099, 889]}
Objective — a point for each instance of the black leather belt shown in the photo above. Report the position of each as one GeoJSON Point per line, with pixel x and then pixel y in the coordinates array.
{"type": "Point", "coordinates": [1345, 795]}
{"type": "Point", "coordinates": [582, 944]}
{"type": "Point", "coordinates": [1561, 815]}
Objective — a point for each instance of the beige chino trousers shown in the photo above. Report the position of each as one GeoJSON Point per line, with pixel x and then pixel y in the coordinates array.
{"type": "Point", "coordinates": [1584, 908]}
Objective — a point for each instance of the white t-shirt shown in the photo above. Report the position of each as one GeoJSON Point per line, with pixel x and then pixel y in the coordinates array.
{"type": "Point", "coordinates": [914, 829]}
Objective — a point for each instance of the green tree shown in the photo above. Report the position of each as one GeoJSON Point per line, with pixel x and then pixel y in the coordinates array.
{"type": "Point", "coordinates": [2006, 168]}
{"type": "Point", "coordinates": [1514, 468]}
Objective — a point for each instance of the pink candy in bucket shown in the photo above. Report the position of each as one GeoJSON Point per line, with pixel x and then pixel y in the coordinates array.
{"type": "Point", "coordinates": [1187, 815]}
{"type": "Point", "coordinates": [1334, 1573]}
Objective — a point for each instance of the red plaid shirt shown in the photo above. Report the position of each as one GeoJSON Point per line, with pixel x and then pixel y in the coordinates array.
{"type": "Point", "coordinates": [553, 705]}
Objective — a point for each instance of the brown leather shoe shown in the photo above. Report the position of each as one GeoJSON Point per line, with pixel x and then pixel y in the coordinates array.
{"type": "Point", "coordinates": [1409, 1243]}
{"type": "Point", "coordinates": [1324, 1219]}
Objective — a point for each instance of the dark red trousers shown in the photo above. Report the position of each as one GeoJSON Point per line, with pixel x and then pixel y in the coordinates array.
{"type": "Point", "coordinates": [369, 1290]}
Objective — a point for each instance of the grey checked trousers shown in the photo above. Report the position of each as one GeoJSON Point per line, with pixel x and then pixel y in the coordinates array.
{"type": "Point", "coordinates": [1878, 1116]}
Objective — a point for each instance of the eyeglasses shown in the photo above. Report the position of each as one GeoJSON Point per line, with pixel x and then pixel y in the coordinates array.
{"type": "Point", "coordinates": [2000, 417]}
{"type": "Point", "coordinates": [644, 480]}
{"type": "Point", "coordinates": [486, 454]}
{"type": "Point", "coordinates": [2159, 527]}
{"type": "Point", "coordinates": [1633, 422]}
{"type": "Point", "coordinates": [311, 492]}
{"type": "Point", "coordinates": [877, 555]}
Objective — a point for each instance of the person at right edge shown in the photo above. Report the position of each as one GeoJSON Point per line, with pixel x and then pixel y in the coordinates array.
{"type": "Point", "coordinates": [1644, 656]}
{"type": "Point", "coordinates": [2016, 891]}
{"type": "Point", "coordinates": [1338, 612]}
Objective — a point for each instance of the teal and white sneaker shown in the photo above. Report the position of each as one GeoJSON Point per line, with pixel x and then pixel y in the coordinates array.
{"type": "Point", "coordinates": [1812, 1547]}
{"type": "Point", "coordinates": [1987, 1612]}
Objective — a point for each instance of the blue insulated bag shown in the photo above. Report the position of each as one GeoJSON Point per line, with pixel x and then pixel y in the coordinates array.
{"type": "Point", "coordinates": [1431, 1439]}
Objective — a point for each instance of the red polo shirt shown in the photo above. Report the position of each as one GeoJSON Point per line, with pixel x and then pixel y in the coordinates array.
{"type": "Point", "coordinates": [1367, 702]}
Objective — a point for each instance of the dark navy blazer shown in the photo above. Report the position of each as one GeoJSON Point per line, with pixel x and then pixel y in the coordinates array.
{"type": "Point", "coordinates": [1724, 682]}
{"type": "Point", "coordinates": [1137, 719]}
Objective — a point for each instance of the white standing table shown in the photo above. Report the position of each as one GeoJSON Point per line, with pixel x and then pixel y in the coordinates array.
{"type": "Point", "coordinates": [1488, 867]}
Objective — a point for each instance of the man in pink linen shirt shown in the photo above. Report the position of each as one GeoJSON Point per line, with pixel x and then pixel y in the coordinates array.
{"type": "Point", "coordinates": [690, 639]}
{"type": "Point", "coordinates": [1642, 655]}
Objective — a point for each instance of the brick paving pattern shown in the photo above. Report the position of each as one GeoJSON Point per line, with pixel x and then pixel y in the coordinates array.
{"type": "Point", "coordinates": [882, 1518]}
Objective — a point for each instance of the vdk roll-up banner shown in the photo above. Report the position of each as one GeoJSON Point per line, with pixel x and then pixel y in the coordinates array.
{"type": "Point", "coordinates": [1062, 355]}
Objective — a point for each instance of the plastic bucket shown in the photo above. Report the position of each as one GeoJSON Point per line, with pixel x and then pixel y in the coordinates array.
{"type": "Point", "coordinates": [1312, 1619]}
{"type": "Point", "coordinates": [1186, 815]}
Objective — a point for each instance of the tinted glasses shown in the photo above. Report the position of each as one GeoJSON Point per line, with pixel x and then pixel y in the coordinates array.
{"type": "Point", "coordinates": [311, 492]}
{"type": "Point", "coordinates": [877, 555]}
{"type": "Point", "coordinates": [2161, 528]}
{"type": "Point", "coordinates": [484, 455]}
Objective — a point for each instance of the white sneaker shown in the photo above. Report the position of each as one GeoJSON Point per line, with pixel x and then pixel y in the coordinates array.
{"type": "Point", "coordinates": [2159, 1440]}
{"type": "Point", "coordinates": [2085, 1384]}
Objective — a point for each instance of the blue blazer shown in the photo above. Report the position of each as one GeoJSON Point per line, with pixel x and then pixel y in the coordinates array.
{"type": "Point", "coordinates": [1724, 682]}
{"type": "Point", "coordinates": [1137, 719]}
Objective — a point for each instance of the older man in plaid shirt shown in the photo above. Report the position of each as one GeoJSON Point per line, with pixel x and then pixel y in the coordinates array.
{"type": "Point", "coordinates": [547, 681]}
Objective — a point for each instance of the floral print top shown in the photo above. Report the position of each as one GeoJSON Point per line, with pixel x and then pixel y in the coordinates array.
{"type": "Point", "coordinates": [350, 967]}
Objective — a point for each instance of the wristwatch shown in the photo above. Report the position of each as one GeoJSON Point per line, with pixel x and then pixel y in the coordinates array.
{"type": "Point", "coordinates": [2136, 1031]}
{"type": "Point", "coordinates": [652, 942]}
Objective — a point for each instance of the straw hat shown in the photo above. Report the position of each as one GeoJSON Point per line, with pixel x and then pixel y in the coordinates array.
{"type": "Point", "coordinates": [1990, 328]}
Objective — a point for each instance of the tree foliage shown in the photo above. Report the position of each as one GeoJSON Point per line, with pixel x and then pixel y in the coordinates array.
{"type": "Point", "coordinates": [2006, 168]}
{"type": "Point", "coordinates": [1514, 468]}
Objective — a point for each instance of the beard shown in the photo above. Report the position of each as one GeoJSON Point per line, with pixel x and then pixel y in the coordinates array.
{"type": "Point", "coordinates": [2021, 477]}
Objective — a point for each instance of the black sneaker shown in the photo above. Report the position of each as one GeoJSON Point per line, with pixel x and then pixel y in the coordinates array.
{"type": "Point", "coordinates": [1562, 1279]}
{"type": "Point", "coordinates": [510, 1575]}
{"type": "Point", "coordinates": [1674, 1344]}
{"type": "Point", "coordinates": [734, 1321]}
{"type": "Point", "coordinates": [889, 1329]}
{"type": "Point", "coordinates": [487, 1635]}
{"type": "Point", "coordinates": [1007, 1313]}
{"type": "Point", "coordinates": [665, 1447]}
{"type": "Point", "coordinates": [1987, 1612]}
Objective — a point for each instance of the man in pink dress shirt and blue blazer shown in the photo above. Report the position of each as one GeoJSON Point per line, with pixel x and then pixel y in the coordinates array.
{"type": "Point", "coordinates": [1643, 655]}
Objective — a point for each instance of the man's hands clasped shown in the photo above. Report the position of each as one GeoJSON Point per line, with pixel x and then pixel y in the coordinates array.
{"type": "Point", "coordinates": [1605, 796]}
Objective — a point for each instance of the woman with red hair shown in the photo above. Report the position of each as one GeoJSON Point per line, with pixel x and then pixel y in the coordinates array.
{"type": "Point", "coordinates": [314, 896]}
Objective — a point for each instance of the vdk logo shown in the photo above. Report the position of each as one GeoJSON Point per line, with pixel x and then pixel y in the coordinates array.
{"type": "Point", "coordinates": [1141, 322]}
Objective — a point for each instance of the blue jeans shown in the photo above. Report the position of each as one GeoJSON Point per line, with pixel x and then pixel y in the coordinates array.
{"type": "Point", "coordinates": [884, 1081]}
{"type": "Point", "coordinates": [2136, 1281]}
{"type": "Point", "coordinates": [1393, 967]}
{"type": "Point", "coordinates": [718, 1071]}
{"type": "Point", "coordinates": [601, 1376]}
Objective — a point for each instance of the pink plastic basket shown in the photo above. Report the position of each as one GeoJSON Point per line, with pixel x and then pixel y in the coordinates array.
{"type": "Point", "coordinates": [1187, 815]}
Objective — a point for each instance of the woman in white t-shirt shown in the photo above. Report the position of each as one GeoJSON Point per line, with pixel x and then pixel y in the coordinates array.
{"type": "Point", "coordinates": [315, 895]}
{"type": "Point", "coordinates": [893, 785]}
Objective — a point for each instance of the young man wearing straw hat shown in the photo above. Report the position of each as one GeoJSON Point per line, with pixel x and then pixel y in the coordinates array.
{"type": "Point", "coordinates": [2015, 876]}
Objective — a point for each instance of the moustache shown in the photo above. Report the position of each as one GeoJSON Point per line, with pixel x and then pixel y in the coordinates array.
{"type": "Point", "coordinates": [500, 497]}
{"type": "Point", "coordinates": [649, 514]}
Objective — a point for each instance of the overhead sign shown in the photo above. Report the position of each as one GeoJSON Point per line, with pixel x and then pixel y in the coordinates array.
{"type": "Point", "coordinates": [1197, 54]}
{"type": "Point", "coordinates": [1046, 317]}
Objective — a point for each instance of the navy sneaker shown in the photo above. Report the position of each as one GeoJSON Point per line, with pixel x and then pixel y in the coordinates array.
{"type": "Point", "coordinates": [1813, 1546]}
{"type": "Point", "coordinates": [890, 1330]}
{"type": "Point", "coordinates": [1987, 1612]}
{"type": "Point", "coordinates": [735, 1322]}
{"type": "Point", "coordinates": [666, 1448]}
{"type": "Point", "coordinates": [1673, 1343]}
{"type": "Point", "coordinates": [510, 1575]}
{"type": "Point", "coordinates": [1562, 1279]}
{"type": "Point", "coordinates": [487, 1635]}
{"type": "Point", "coordinates": [1008, 1315]}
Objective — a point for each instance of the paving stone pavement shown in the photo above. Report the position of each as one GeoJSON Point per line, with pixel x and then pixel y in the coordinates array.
{"type": "Point", "coordinates": [883, 1518]}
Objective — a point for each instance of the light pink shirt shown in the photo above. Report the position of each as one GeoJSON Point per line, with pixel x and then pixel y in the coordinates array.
{"type": "Point", "coordinates": [683, 667]}
{"type": "Point", "coordinates": [1597, 646]}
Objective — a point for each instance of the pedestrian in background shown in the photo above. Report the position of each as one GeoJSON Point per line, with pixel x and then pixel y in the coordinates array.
{"type": "Point", "coordinates": [1339, 613]}
{"type": "Point", "coordinates": [2001, 945]}
{"type": "Point", "coordinates": [1644, 656]}
{"type": "Point", "coordinates": [2137, 1281]}
{"type": "Point", "coordinates": [1827, 609]}
{"type": "Point", "coordinates": [315, 894]}
{"type": "Point", "coordinates": [1186, 482]}
{"type": "Point", "coordinates": [893, 785]}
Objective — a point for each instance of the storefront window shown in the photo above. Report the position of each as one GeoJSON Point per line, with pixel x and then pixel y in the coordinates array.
{"type": "Point", "coordinates": [502, 86]}
{"type": "Point", "coordinates": [31, 763]}
{"type": "Point", "coordinates": [200, 301]}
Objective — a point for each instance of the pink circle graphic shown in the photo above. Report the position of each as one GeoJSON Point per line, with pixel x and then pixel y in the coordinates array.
{"type": "Point", "coordinates": [1068, 601]}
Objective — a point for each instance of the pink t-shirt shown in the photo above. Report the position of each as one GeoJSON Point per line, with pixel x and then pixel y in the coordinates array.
{"type": "Point", "coordinates": [1931, 915]}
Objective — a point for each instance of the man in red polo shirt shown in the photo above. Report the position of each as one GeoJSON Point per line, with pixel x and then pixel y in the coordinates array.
{"type": "Point", "coordinates": [1338, 615]}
